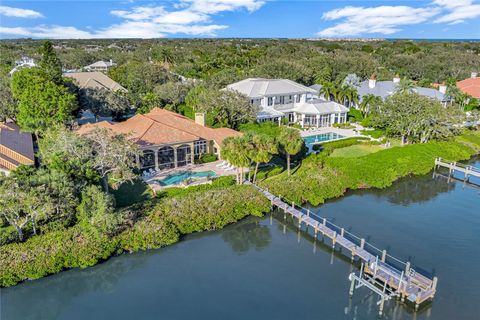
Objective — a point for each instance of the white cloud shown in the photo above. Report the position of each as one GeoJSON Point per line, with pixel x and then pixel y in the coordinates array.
{"type": "Point", "coordinates": [190, 17]}
{"type": "Point", "coordinates": [355, 21]}
{"type": "Point", "coordinates": [19, 13]}
{"type": "Point", "coordinates": [459, 11]}
{"type": "Point", "coordinates": [383, 19]}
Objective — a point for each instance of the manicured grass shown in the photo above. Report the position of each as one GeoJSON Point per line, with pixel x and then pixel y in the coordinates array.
{"type": "Point", "coordinates": [377, 133]}
{"type": "Point", "coordinates": [358, 150]}
{"type": "Point", "coordinates": [321, 176]}
{"type": "Point", "coordinates": [128, 193]}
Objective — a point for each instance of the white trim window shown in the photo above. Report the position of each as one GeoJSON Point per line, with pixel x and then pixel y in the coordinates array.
{"type": "Point", "coordinates": [200, 147]}
{"type": "Point", "coordinates": [270, 101]}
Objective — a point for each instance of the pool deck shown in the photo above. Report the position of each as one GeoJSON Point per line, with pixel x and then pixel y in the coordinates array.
{"type": "Point", "coordinates": [346, 133]}
{"type": "Point", "coordinates": [211, 166]}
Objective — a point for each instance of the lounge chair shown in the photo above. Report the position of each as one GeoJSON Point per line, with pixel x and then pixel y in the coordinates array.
{"type": "Point", "coordinates": [223, 163]}
{"type": "Point", "coordinates": [226, 166]}
{"type": "Point", "coordinates": [231, 168]}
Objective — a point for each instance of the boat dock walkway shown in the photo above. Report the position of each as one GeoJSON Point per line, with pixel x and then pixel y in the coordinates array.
{"type": "Point", "coordinates": [376, 271]}
{"type": "Point", "coordinates": [468, 171]}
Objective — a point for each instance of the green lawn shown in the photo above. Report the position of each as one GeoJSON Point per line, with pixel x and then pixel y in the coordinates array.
{"type": "Point", "coordinates": [354, 151]}
{"type": "Point", "coordinates": [128, 194]}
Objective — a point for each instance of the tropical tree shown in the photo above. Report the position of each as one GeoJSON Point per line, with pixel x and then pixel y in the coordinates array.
{"type": "Point", "coordinates": [368, 101]}
{"type": "Point", "coordinates": [235, 151]}
{"type": "Point", "coordinates": [405, 86]}
{"type": "Point", "coordinates": [41, 103]}
{"type": "Point", "coordinates": [228, 108]}
{"type": "Point", "coordinates": [329, 90]}
{"type": "Point", "coordinates": [350, 95]}
{"type": "Point", "coordinates": [290, 142]}
{"type": "Point", "coordinates": [264, 147]}
{"type": "Point", "coordinates": [113, 156]}
{"type": "Point", "coordinates": [8, 105]}
{"type": "Point", "coordinates": [50, 63]}
{"type": "Point", "coordinates": [416, 118]}
{"type": "Point", "coordinates": [351, 80]}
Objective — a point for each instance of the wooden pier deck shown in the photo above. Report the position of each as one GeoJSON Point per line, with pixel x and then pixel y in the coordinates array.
{"type": "Point", "coordinates": [468, 171]}
{"type": "Point", "coordinates": [404, 284]}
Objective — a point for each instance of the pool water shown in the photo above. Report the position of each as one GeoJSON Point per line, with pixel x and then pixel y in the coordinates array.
{"type": "Point", "coordinates": [318, 138]}
{"type": "Point", "coordinates": [182, 176]}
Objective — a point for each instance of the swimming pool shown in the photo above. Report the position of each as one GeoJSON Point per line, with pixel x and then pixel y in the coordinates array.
{"type": "Point", "coordinates": [319, 138]}
{"type": "Point", "coordinates": [179, 177]}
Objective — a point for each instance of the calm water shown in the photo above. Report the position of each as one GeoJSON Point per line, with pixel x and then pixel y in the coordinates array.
{"type": "Point", "coordinates": [266, 269]}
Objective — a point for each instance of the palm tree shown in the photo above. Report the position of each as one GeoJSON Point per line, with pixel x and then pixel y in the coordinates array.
{"type": "Point", "coordinates": [328, 90]}
{"type": "Point", "coordinates": [235, 152]}
{"type": "Point", "coordinates": [264, 147]}
{"type": "Point", "coordinates": [350, 95]}
{"type": "Point", "coordinates": [405, 86]}
{"type": "Point", "coordinates": [368, 101]}
{"type": "Point", "coordinates": [291, 143]}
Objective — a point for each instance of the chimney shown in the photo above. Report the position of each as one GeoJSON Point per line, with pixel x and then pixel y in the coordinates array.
{"type": "Point", "coordinates": [473, 75]}
{"type": "Point", "coordinates": [201, 118]}
{"type": "Point", "coordinates": [372, 81]}
{"type": "Point", "coordinates": [442, 88]}
{"type": "Point", "coordinates": [396, 79]}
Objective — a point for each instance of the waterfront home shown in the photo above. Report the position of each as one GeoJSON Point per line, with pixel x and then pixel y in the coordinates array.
{"type": "Point", "coordinates": [24, 62]}
{"type": "Point", "coordinates": [167, 139]}
{"type": "Point", "coordinates": [94, 80]}
{"type": "Point", "coordinates": [101, 66]}
{"type": "Point", "coordinates": [16, 147]}
{"type": "Point", "coordinates": [384, 89]}
{"type": "Point", "coordinates": [282, 98]}
{"type": "Point", "coordinates": [470, 86]}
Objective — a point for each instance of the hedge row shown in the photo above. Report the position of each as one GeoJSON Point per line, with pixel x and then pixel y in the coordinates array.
{"type": "Point", "coordinates": [321, 177]}
{"type": "Point", "coordinates": [161, 226]}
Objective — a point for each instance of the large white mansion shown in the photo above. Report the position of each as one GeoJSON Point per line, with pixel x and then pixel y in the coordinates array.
{"type": "Point", "coordinates": [282, 98]}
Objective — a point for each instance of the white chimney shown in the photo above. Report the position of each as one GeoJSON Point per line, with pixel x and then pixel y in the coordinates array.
{"type": "Point", "coordinates": [473, 75]}
{"type": "Point", "coordinates": [372, 83]}
{"type": "Point", "coordinates": [201, 118]}
{"type": "Point", "coordinates": [442, 88]}
{"type": "Point", "coordinates": [396, 79]}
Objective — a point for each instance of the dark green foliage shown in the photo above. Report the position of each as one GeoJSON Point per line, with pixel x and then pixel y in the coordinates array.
{"type": "Point", "coordinates": [206, 158]}
{"type": "Point", "coordinates": [50, 63]}
{"type": "Point", "coordinates": [197, 212]}
{"type": "Point", "coordinates": [321, 177]}
{"type": "Point", "coordinates": [160, 226]}
{"type": "Point", "coordinates": [355, 115]}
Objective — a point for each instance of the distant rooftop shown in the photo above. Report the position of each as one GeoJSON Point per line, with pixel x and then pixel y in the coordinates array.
{"type": "Point", "coordinates": [94, 80]}
{"type": "Point", "coordinates": [259, 87]}
{"type": "Point", "coordinates": [16, 147]}
{"type": "Point", "coordinates": [384, 89]}
{"type": "Point", "coordinates": [470, 86]}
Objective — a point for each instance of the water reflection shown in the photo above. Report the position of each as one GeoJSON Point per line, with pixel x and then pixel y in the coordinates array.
{"type": "Point", "coordinates": [49, 296]}
{"type": "Point", "coordinates": [247, 234]}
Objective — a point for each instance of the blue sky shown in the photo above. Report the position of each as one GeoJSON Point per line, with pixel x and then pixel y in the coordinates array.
{"type": "Point", "coordinates": [458, 19]}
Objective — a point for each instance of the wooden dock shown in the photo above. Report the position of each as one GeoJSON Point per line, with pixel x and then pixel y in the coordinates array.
{"type": "Point", "coordinates": [376, 270]}
{"type": "Point", "coordinates": [468, 171]}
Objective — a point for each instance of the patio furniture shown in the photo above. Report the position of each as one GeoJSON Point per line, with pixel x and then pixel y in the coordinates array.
{"type": "Point", "coordinates": [223, 163]}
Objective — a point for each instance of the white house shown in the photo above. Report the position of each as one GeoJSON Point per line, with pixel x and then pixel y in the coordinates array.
{"type": "Point", "coordinates": [101, 66]}
{"type": "Point", "coordinates": [24, 62]}
{"type": "Point", "coordinates": [282, 98]}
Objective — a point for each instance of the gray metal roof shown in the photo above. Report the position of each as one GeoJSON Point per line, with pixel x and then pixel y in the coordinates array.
{"type": "Point", "coordinates": [320, 106]}
{"type": "Point", "coordinates": [384, 89]}
{"type": "Point", "coordinates": [268, 113]}
{"type": "Point", "coordinates": [259, 87]}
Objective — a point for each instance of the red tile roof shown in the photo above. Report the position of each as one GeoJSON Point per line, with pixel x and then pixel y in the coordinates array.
{"type": "Point", "coordinates": [470, 86]}
{"type": "Point", "coordinates": [161, 126]}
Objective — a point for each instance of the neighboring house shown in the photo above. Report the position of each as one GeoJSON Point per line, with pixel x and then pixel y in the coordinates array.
{"type": "Point", "coordinates": [94, 80]}
{"type": "Point", "coordinates": [281, 98]}
{"type": "Point", "coordinates": [167, 139]}
{"type": "Point", "coordinates": [101, 66]}
{"type": "Point", "coordinates": [16, 147]}
{"type": "Point", "coordinates": [470, 86]}
{"type": "Point", "coordinates": [384, 89]}
{"type": "Point", "coordinates": [317, 88]}
{"type": "Point", "coordinates": [24, 62]}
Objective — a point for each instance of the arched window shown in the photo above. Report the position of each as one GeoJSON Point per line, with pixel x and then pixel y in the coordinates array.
{"type": "Point", "coordinates": [184, 155]}
{"type": "Point", "coordinates": [147, 160]}
{"type": "Point", "coordinates": [166, 157]}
